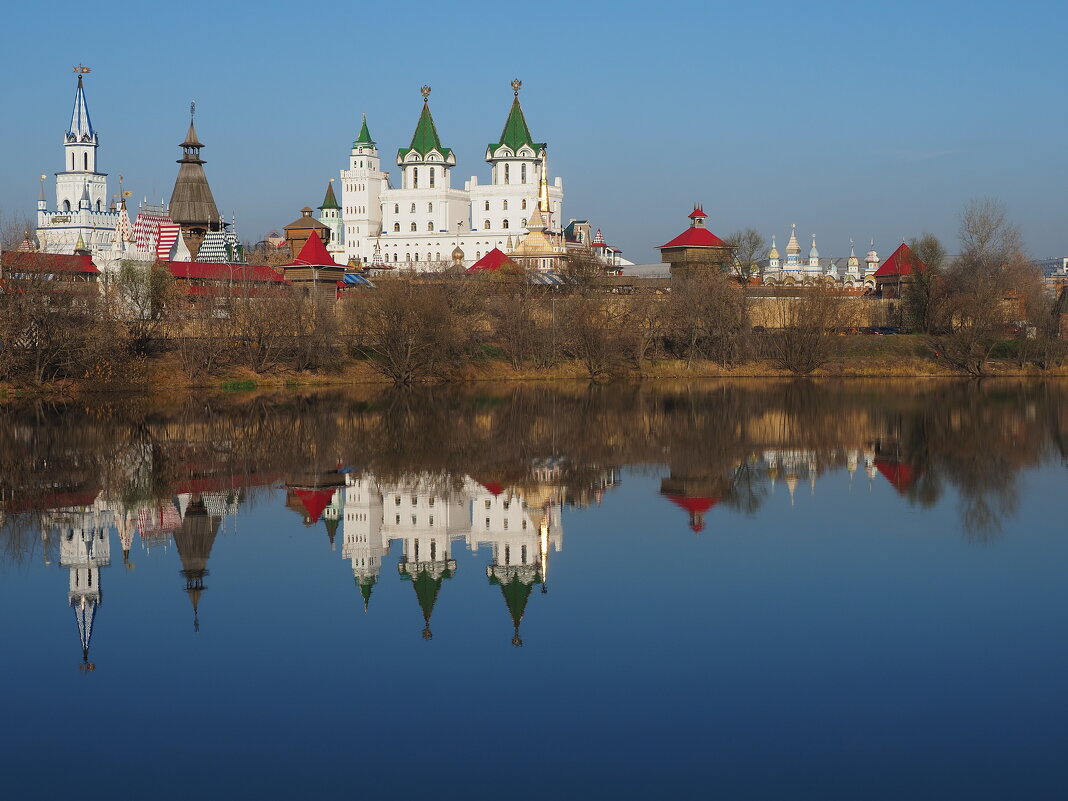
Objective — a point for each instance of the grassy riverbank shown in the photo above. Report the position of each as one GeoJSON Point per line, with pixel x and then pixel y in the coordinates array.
{"type": "Point", "coordinates": [900, 356]}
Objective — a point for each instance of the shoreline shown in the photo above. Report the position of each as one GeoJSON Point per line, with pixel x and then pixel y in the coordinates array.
{"type": "Point", "coordinates": [161, 381]}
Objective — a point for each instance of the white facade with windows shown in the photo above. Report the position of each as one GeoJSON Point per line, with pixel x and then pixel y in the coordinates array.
{"type": "Point", "coordinates": [418, 223]}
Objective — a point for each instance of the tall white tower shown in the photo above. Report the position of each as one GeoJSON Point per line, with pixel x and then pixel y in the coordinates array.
{"type": "Point", "coordinates": [361, 192]}
{"type": "Point", "coordinates": [84, 548]}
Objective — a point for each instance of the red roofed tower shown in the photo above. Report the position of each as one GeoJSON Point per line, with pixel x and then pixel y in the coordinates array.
{"type": "Point", "coordinates": [696, 248]}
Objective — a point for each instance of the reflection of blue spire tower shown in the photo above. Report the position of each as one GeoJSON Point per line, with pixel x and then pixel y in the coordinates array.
{"type": "Point", "coordinates": [84, 550]}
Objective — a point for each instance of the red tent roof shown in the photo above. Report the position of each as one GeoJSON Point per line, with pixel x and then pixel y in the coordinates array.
{"type": "Point", "coordinates": [493, 487]}
{"type": "Point", "coordinates": [900, 475]}
{"type": "Point", "coordinates": [695, 238]}
{"type": "Point", "coordinates": [696, 506]}
{"type": "Point", "coordinates": [901, 262]}
{"type": "Point", "coordinates": [493, 260]}
{"type": "Point", "coordinates": [315, 501]}
{"type": "Point", "coordinates": [48, 262]}
{"type": "Point", "coordinates": [314, 254]}
{"type": "Point", "coordinates": [698, 214]}
{"type": "Point", "coordinates": [218, 271]}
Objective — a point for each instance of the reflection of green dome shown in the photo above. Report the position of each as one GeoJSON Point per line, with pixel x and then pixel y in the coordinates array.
{"type": "Point", "coordinates": [365, 585]}
{"type": "Point", "coordinates": [331, 528]}
{"type": "Point", "coordinates": [426, 590]}
{"type": "Point", "coordinates": [516, 594]}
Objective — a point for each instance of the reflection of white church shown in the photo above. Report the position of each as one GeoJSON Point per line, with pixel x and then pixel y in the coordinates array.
{"type": "Point", "coordinates": [427, 516]}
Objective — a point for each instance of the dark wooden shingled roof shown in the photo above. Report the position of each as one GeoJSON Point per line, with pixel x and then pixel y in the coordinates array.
{"type": "Point", "coordinates": [191, 201]}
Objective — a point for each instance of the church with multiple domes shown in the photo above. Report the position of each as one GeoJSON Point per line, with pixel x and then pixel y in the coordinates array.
{"type": "Point", "coordinates": [419, 222]}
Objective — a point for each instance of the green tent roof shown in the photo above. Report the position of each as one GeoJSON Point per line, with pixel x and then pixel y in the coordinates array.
{"type": "Point", "coordinates": [365, 135]}
{"type": "Point", "coordinates": [366, 586]}
{"type": "Point", "coordinates": [425, 137]}
{"type": "Point", "coordinates": [516, 594]}
{"type": "Point", "coordinates": [329, 202]}
{"type": "Point", "coordinates": [516, 133]}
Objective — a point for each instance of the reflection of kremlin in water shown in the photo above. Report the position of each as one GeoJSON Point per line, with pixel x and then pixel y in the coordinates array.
{"type": "Point", "coordinates": [427, 516]}
{"type": "Point", "coordinates": [406, 488]}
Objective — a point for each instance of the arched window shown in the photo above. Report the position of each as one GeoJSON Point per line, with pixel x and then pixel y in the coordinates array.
{"type": "Point", "coordinates": [66, 203]}
{"type": "Point", "coordinates": [412, 209]}
{"type": "Point", "coordinates": [487, 205]}
{"type": "Point", "coordinates": [430, 226]}
{"type": "Point", "coordinates": [504, 225]}
{"type": "Point", "coordinates": [417, 257]}
{"type": "Point", "coordinates": [485, 224]}
{"type": "Point", "coordinates": [72, 162]}
{"type": "Point", "coordinates": [98, 206]}
{"type": "Point", "coordinates": [396, 208]}
{"type": "Point", "coordinates": [507, 173]}
{"type": "Point", "coordinates": [523, 174]}
{"type": "Point", "coordinates": [407, 256]}
{"type": "Point", "coordinates": [524, 223]}
{"type": "Point", "coordinates": [504, 205]}
{"type": "Point", "coordinates": [437, 256]}
{"type": "Point", "coordinates": [414, 228]}
{"type": "Point", "coordinates": [524, 203]}
{"type": "Point", "coordinates": [394, 258]}
{"type": "Point", "coordinates": [432, 171]}
{"type": "Point", "coordinates": [478, 255]}
{"type": "Point", "coordinates": [415, 177]}
{"type": "Point", "coordinates": [429, 207]}
{"type": "Point", "coordinates": [85, 161]}
{"type": "Point", "coordinates": [396, 228]}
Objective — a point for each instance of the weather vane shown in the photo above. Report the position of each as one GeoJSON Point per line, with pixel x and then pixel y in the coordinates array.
{"type": "Point", "coordinates": [425, 90]}
{"type": "Point", "coordinates": [81, 69]}
{"type": "Point", "coordinates": [192, 109]}
{"type": "Point", "coordinates": [516, 86]}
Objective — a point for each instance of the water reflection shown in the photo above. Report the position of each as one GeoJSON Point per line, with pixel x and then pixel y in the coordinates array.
{"type": "Point", "coordinates": [423, 474]}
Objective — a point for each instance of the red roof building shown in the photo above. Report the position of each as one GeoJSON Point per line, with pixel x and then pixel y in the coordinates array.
{"type": "Point", "coordinates": [494, 260]}
{"type": "Point", "coordinates": [696, 247]}
{"type": "Point", "coordinates": [901, 262]}
{"type": "Point", "coordinates": [69, 266]}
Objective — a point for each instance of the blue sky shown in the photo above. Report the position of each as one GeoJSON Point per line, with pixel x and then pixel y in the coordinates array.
{"type": "Point", "coordinates": [849, 119]}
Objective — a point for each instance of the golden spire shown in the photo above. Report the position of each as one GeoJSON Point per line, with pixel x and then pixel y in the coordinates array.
{"type": "Point", "coordinates": [543, 189]}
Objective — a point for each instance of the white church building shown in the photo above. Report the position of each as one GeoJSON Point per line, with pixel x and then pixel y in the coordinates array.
{"type": "Point", "coordinates": [419, 223]}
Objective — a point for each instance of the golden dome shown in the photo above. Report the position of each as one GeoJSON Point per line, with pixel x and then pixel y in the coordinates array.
{"type": "Point", "coordinates": [457, 254]}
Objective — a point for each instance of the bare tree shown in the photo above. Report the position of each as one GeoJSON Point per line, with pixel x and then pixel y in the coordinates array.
{"type": "Point", "coordinates": [806, 336]}
{"type": "Point", "coordinates": [924, 296]}
{"type": "Point", "coordinates": [983, 286]}
{"type": "Point", "coordinates": [750, 248]}
{"type": "Point", "coordinates": [707, 317]}
{"type": "Point", "coordinates": [145, 296]}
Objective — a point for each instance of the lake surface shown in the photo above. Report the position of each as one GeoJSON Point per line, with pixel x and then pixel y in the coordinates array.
{"type": "Point", "coordinates": [754, 590]}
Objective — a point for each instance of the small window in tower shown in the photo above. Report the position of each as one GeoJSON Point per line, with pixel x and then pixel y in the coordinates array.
{"type": "Point", "coordinates": [430, 207]}
{"type": "Point", "coordinates": [485, 224]}
{"type": "Point", "coordinates": [524, 223]}
{"type": "Point", "coordinates": [394, 257]}
{"type": "Point", "coordinates": [396, 228]}
{"type": "Point", "coordinates": [506, 524]}
{"type": "Point", "coordinates": [523, 174]}
{"type": "Point", "coordinates": [431, 519]}
{"type": "Point", "coordinates": [415, 177]}
{"type": "Point", "coordinates": [396, 208]}
{"type": "Point", "coordinates": [417, 257]}
{"type": "Point", "coordinates": [430, 226]}
{"type": "Point", "coordinates": [504, 205]}
{"type": "Point", "coordinates": [478, 255]}
{"type": "Point", "coordinates": [504, 225]}
{"type": "Point", "coordinates": [412, 209]}
{"type": "Point", "coordinates": [487, 205]}
{"type": "Point", "coordinates": [432, 171]}
{"type": "Point", "coordinates": [72, 162]}
{"type": "Point", "coordinates": [397, 500]}
{"type": "Point", "coordinates": [507, 173]}
{"type": "Point", "coordinates": [524, 203]}
{"type": "Point", "coordinates": [85, 161]}
{"type": "Point", "coordinates": [413, 226]}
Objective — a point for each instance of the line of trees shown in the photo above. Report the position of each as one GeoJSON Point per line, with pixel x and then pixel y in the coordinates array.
{"type": "Point", "coordinates": [432, 327]}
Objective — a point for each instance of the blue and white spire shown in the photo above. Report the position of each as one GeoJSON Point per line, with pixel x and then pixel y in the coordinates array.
{"type": "Point", "coordinates": [81, 127]}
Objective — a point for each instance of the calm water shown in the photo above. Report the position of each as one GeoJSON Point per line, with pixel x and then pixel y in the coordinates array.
{"type": "Point", "coordinates": [737, 591]}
